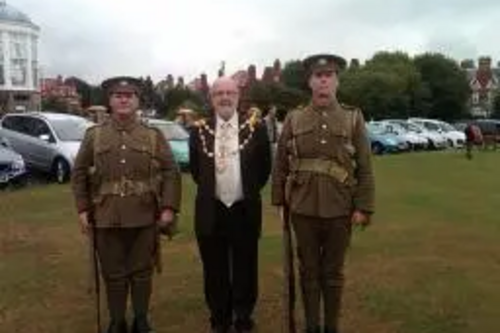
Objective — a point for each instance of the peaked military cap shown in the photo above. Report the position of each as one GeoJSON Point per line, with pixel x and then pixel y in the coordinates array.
{"type": "Point", "coordinates": [323, 62]}
{"type": "Point", "coordinates": [122, 84]}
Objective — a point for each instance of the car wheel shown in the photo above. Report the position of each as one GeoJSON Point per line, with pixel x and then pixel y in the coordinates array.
{"type": "Point", "coordinates": [432, 145]}
{"type": "Point", "coordinates": [61, 170]}
{"type": "Point", "coordinates": [377, 148]}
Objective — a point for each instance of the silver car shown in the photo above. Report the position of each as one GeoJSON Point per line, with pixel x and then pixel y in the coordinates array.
{"type": "Point", "coordinates": [48, 142]}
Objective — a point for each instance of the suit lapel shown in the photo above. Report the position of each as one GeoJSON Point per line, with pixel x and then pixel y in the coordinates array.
{"type": "Point", "coordinates": [211, 123]}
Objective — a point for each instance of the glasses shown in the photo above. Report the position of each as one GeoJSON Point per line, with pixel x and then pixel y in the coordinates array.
{"type": "Point", "coordinates": [219, 93]}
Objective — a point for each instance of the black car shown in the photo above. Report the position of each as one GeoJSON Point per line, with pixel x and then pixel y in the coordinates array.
{"type": "Point", "coordinates": [12, 166]}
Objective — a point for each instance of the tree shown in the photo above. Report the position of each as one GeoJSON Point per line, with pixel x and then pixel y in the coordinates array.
{"type": "Point", "coordinates": [177, 97]}
{"type": "Point", "coordinates": [293, 75]}
{"type": "Point", "coordinates": [380, 94]}
{"type": "Point", "coordinates": [55, 104]}
{"type": "Point", "coordinates": [354, 64]}
{"type": "Point", "coordinates": [82, 88]}
{"type": "Point", "coordinates": [496, 106]}
{"type": "Point", "coordinates": [388, 85]}
{"type": "Point", "coordinates": [447, 84]}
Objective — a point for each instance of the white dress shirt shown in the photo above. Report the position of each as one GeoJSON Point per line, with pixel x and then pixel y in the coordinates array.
{"type": "Point", "coordinates": [229, 188]}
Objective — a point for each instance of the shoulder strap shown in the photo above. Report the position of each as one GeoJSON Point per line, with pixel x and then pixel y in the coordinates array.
{"type": "Point", "coordinates": [152, 142]}
{"type": "Point", "coordinates": [97, 141]}
{"type": "Point", "coordinates": [294, 122]}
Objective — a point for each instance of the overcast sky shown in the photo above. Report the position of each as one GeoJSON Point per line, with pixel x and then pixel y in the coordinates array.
{"type": "Point", "coordinates": [94, 39]}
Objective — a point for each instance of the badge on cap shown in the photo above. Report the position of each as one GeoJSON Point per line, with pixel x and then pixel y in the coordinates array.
{"type": "Point", "coordinates": [123, 83]}
{"type": "Point", "coordinates": [322, 62]}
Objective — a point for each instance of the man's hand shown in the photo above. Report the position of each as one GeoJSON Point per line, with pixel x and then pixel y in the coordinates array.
{"type": "Point", "coordinates": [166, 224]}
{"type": "Point", "coordinates": [166, 218]}
{"type": "Point", "coordinates": [84, 223]}
{"type": "Point", "coordinates": [360, 219]}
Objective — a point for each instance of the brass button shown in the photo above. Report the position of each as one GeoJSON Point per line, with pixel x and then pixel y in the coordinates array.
{"type": "Point", "coordinates": [124, 147]}
{"type": "Point", "coordinates": [324, 126]}
{"type": "Point", "coordinates": [323, 114]}
{"type": "Point", "coordinates": [122, 161]}
{"type": "Point", "coordinates": [122, 194]}
{"type": "Point", "coordinates": [323, 142]}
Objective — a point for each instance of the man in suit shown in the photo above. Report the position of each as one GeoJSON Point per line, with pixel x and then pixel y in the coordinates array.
{"type": "Point", "coordinates": [230, 162]}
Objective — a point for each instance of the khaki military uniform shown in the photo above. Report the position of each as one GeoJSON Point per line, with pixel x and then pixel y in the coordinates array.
{"type": "Point", "coordinates": [125, 175]}
{"type": "Point", "coordinates": [323, 172]}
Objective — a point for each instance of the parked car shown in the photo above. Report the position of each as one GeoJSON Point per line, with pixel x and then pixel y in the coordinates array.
{"type": "Point", "coordinates": [12, 166]}
{"type": "Point", "coordinates": [454, 137]}
{"type": "Point", "coordinates": [415, 141]}
{"type": "Point", "coordinates": [435, 140]}
{"type": "Point", "coordinates": [383, 142]}
{"type": "Point", "coordinates": [177, 137]}
{"type": "Point", "coordinates": [48, 142]}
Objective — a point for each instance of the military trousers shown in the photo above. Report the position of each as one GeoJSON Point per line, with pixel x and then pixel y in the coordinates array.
{"type": "Point", "coordinates": [126, 257]}
{"type": "Point", "coordinates": [321, 247]}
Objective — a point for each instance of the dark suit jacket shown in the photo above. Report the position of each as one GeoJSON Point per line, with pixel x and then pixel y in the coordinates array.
{"type": "Point", "coordinates": [255, 160]}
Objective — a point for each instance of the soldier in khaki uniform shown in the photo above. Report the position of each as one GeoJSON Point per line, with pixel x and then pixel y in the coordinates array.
{"type": "Point", "coordinates": [127, 187]}
{"type": "Point", "coordinates": [323, 177]}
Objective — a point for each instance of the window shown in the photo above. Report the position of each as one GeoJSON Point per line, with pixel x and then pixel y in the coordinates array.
{"type": "Point", "coordinates": [11, 123]}
{"type": "Point", "coordinates": [18, 124]}
{"type": "Point", "coordinates": [2, 62]}
{"type": "Point", "coordinates": [34, 61]}
{"type": "Point", "coordinates": [19, 58]}
{"type": "Point", "coordinates": [70, 129]}
{"type": "Point", "coordinates": [39, 127]}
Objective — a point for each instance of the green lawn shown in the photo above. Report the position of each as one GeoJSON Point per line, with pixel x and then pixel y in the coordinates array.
{"type": "Point", "coordinates": [429, 264]}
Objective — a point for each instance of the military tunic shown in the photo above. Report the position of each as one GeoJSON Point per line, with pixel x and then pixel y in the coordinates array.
{"type": "Point", "coordinates": [122, 170]}
{"type": "Point", "coordinates": [335, 133]}
{"type": "Point", "coordinates": [323, 173]}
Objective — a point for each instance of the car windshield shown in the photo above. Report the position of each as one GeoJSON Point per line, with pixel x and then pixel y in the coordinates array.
{"type": "Point", "coordinates": [447, 127]}
{"type": "Point", "coordinates": [376, 129]}
{"type": "Point", "coordinates": [396, 127]}
{"type": "Point", "coordinates": [411, 127]}
{"type": "Point", "coordinates": [172, 131]}
{"type": "Point", "coordinates": [70, 129]}
{"type": "Point", "coordinates": [432, 126]}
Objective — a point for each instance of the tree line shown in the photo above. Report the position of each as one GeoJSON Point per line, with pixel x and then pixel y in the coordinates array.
{"type": "Point", "coordinates": [390, 84]}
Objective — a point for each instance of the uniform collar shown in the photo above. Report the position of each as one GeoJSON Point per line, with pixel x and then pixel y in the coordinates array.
{"type": "Point", "coordinates": [334, 105]}
{"type": "Point", "coordinates": [124, 124]}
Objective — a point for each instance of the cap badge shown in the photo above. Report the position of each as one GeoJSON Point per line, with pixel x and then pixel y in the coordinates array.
{"type": "Point", "coordinates": [322, 62]}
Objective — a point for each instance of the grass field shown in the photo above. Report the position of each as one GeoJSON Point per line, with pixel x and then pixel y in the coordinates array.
{"type": "Point", "coordinates": [429, 264]}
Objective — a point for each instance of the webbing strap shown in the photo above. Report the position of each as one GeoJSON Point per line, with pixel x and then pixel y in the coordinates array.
{"type": "Point", "coordinates": [125, 187]}
{"type": "Point", "coordinates": [326, 167]}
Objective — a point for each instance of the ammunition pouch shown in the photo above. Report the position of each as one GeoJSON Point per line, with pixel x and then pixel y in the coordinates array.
{"type": "Point", "coordinates": [325, 167]}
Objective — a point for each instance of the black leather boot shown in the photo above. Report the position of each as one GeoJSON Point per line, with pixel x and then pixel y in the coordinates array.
{"type": "Point", "coordinates": [314, 330]}
{"type": "Point", "coordinates": [117, 326]}
{"type": "Point", "coordinates": [141, 325]}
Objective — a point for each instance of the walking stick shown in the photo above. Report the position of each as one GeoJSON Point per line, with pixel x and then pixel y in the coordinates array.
{"type": "Point", "coordinates": [289, 325]}
{"type": "Point", "coordinates": [94, 285]}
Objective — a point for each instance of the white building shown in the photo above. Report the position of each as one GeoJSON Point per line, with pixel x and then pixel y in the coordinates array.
{"type": "Point", "coordinates": [19, 67]}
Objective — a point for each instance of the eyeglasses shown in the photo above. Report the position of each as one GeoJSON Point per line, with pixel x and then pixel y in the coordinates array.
{"type": "Point", "coordinates": [219, 93]}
